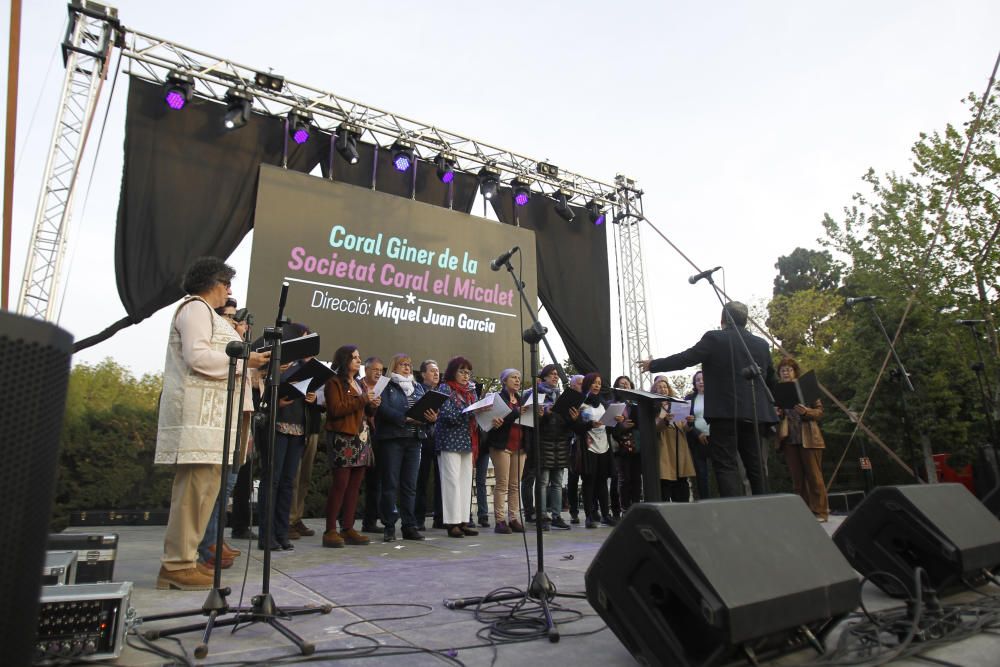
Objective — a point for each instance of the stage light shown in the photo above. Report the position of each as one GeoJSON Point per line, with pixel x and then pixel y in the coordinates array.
{"type": "Point", "coordinates": [402, 155]}
{"type": "Point", "coordinates": [597, 215]}
{"type": "Point", "coordinates": [298, 125]}
{"type": "Point", "coordinates": [445, 163]}
{"type": "Point", "coordinates": [489, 181]}
{"type": "Point", "coordinates": [177, 90]}
{"type": "Point", "coordinates": [347, 142]}
{"type": "Point", "coordinates": [238, 103]}
{"type": "Point", "coordinates": [269, 81]}
{"type": "Point", "coordinates": [522, 191]}
{"type": "Point", "coordinates": [546, 169]}
{"type": "Point", "coordinates": [562, 205]}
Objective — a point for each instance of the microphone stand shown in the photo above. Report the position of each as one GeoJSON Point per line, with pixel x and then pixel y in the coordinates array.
{"type": "Point", "coordinates": [992, 497]}
{"type": "Point", "coordinates": [900, 373]}
{"type": "Point", "coordinates": [541, 588]}
{"type": "Point", "coordinates": [752, 374]}
{"type": "Point", "coordinates": [264, 609]}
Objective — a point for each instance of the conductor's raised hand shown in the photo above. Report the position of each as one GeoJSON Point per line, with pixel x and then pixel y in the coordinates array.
{"type": "Point", "coordinates": [643, 364]}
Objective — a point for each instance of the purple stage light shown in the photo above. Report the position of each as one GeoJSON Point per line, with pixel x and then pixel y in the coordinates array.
{"type": "Point", "coordinates": [599, 220]}
{"type": "Point", "coordinates": [301, 136]}
{"type": "Point", "coordinates": [447, 177]}
{"type": "Point", "coordinates": [401, 162]}
{"type": "Point", "coordinates": [175, 100]}
{"type": "Point", "coordinates": [521, 198]}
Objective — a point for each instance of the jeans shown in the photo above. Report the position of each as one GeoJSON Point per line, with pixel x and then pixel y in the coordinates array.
{"type": "Point", "coordinates": [371, 477]}
{"type": "Point", "coordinates": [399, 462]}
{"type": "Point", "coordinates": [552, 481]}
{"type": "Point", "coordinates": [208, 539]}
{"type": "Point", "coordinates": [482, 498]}
{"type": "Point", "coordinates": [528, 489]}
{"type": "Point", "coordinates": [701, 455]}
{"type": "Point", "coordinates": [287, 455]}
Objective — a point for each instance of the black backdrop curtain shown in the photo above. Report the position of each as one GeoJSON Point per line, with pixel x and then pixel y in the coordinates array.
{"type": "Point", "coordinates": [572, 276]}
{"type": "Point", "coordinates": [189, 189]}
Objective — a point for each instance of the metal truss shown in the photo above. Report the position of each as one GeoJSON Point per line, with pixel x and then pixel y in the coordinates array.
{"type": "Point", "coordinates": [153, 58]}
{"type": "Point", "coordinates": [632, 276]}
{"type": "Point", "coordinates": [94, 30]}
{"type": "Point", "coordinates": [86, 48]}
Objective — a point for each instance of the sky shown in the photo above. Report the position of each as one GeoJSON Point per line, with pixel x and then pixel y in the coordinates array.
{"type": "Point", "coordinates": [742, 122]}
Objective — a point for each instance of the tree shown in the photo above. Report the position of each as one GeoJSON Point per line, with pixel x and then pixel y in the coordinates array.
{"type": "Point", "coordinates": [901, 237]}
{"type": "Point", "coordinates": [107, 443]}
{"type": "Point", "coordinates": [806, 269]}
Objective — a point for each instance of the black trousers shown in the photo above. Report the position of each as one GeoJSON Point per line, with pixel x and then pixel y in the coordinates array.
{"type": "Point", "coordinates": [597, 471]}
{"type": "Point", "coordinates": [675, 490]}
{"type": "Point", "coordinates": [428, 463]}
{"type": "Point", "coordinates": [731, 440]}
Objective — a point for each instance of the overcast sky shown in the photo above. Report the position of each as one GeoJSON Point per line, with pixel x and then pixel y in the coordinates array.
{"type": "Point", "coordinates": [742, 122]}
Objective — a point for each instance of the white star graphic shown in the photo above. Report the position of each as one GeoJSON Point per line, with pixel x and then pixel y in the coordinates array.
{"type": "Point", "coordinates": [410, 298]}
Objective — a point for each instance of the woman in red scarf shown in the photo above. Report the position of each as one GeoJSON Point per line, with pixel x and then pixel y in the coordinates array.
{"type": "Point", "coordinates": [456, 437]}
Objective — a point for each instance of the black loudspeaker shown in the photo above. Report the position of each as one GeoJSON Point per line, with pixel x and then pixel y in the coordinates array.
{"type": "Point", "coordinates": [699, 584]}
{"type": "Point", "coordinates": [33, 380]}
{"type": "Point", "coordinates": [940, 527]}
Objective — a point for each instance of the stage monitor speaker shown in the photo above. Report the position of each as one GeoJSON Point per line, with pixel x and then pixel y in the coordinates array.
{"type": "Point", "coordinates": [942, 528]}
{"type": "Point", "coordinates": [33, 380]}
{"type": "Point", "coordinates": [698, 584]}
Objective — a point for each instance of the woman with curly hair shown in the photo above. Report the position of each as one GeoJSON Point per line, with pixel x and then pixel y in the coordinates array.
{"type": "Point", "coordinates": [801, 442]}
{"type": "Point", "coordinates": [348, 445]}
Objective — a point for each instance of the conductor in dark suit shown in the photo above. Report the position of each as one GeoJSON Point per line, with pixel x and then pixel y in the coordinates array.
{"type": "Point", "coordinates": [729, 404]}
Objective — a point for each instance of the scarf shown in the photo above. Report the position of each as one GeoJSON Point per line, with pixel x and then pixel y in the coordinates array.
{"type": "Point", "coordinates": [593, 400]}
{"type": "Point", "coordinates": [405, 383]}
{"type": "Point", "coordinates": [469, 397]}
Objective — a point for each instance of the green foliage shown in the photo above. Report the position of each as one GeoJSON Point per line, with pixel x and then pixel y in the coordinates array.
{"type": "Point", "coordinates": [898, 239]}
{"type": "Point", "coordinates": [107, 443]}
{"type": "Point", "coordinates": [806, 269]}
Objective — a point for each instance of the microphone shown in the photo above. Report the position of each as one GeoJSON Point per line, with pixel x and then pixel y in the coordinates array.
{"type": "Point", "coordinates": [861, 299]}
{"type": "Point", "coordinates": [970, 323]}
{"type": "Point", "coordinates": [499, 262]}
{"type": "Point", "coordinates": [235, 349]}
{"type": "Point", "coordinates": [704, 274]}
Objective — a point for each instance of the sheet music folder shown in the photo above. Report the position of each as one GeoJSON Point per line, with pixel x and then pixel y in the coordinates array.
{"type": "Point", "coordinates": [292, 350]}
{"type": "Point", "coordinates": [804, 391]}
{"type": "Point", "coordinates": [431, 400]}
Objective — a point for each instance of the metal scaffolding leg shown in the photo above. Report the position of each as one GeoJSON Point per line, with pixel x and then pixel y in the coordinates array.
{"type": "Point", "coordinates": [88, 43]}
{"type": "Point", "coordinates": [633, 279]}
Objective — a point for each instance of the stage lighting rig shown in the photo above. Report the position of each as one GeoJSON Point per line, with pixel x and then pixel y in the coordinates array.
{"type": "Point", "coordinates": [177, 90]}
{"type": "Point", "coordinates": [268, 81]}
{"type": "Point", "coordinates": [238, 104]}
{"type": "Point", "coordinates": [298, 125]}
{"type": "Point", "coordinates": [596, 211]}
{"type": "Point", "coordinates": [445, 163]}
{"type": "Point", "coordinates": [522, 190]}
{"type": "Point", "coordinates": [403, 155]}
{"type": "Point", "coordinates": [546, 169]}
{"type": "Point", "coordinates": [489, 181]}
{"type": "Point", "coordinates": [562, 204]}
{"type": "Point", "coordinates": [347, 142]}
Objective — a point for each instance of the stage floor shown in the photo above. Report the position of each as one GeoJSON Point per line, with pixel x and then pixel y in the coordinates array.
{"type": "Point", "coordinates": [392, 594]}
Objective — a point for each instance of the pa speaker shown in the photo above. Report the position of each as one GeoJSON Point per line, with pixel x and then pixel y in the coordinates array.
{"type": "Point", "coordinates": [941, 528]}
{"type": "Point", "coordinates": [696, 584]}
{"type": "Point", "coordinates": [33, 379]}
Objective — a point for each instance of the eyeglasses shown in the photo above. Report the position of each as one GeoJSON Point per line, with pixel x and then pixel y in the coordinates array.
{"type": "Point", "coordinates": [464, 371]}
{"type": "Point", "coordinates": [227, 283]}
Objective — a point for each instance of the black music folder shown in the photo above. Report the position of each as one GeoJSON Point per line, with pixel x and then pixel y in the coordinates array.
{"type": "Point", "coordinates": [431, 400]}
{"type": "Point", "coordinates": [292, 350]}
{"type": "Point", "coordinates": [804, 391]}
